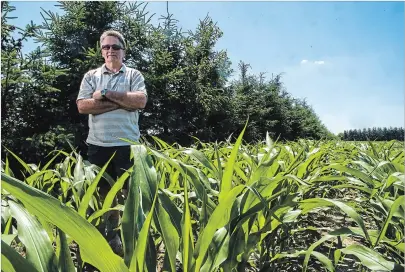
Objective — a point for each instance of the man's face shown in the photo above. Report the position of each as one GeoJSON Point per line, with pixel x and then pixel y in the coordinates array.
{"type": "Point", "coordinates": [112, 50]}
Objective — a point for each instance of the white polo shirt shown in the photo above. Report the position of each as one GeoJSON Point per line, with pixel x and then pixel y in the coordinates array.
{"type": "Point", "coordinates": [107, 128]}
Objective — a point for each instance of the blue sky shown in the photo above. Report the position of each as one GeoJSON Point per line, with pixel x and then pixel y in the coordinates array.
{"type": "Point", "coordinates": [345, 58]}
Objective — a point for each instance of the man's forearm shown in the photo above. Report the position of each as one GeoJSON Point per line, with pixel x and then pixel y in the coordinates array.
{"type": "Point", "coordinates": [128, 100]}
{"type": "Point", "coordinates": [94, 106]}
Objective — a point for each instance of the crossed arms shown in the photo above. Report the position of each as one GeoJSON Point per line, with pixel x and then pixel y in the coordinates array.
{"type": "Point", "coordinates": [129, 101]}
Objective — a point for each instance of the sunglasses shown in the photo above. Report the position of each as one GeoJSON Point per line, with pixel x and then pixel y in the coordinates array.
{"type": "Point", "coordinates": [113, 46]}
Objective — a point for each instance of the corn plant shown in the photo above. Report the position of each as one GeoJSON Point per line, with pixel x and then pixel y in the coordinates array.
{"type": "Point", "coordinates": [270, 206]}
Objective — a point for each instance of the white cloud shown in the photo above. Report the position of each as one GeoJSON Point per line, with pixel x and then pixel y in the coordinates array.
{"type": "Point", "coordinates": [318, 62]}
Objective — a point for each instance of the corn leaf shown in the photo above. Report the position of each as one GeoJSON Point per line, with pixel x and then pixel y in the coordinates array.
{"type": "Point", "coordinates": [309, 204]}
{"type": "Point", "coordinates": [63, 252]}
{"type": "Point", "coordinates": [226, 183]}
{"type": "Point", "coordinates": [170, 235]}
{"type": "Point", "coordinates": [84, 203]}
{"type": "Point", "coordinates": [399, 201]}
{"type": "Point", "coordinates": [370, 258]}
{"type": "Point", "coordinates": [138, 259]}
{"type": "Point", "coordinates": [218, 219]}
{"type": "Point", "coordinates": [37, 243]}
{"type": "Point", "coordinates": [50, 209]}
{"type": "Point", "coordinates": [12, 261]}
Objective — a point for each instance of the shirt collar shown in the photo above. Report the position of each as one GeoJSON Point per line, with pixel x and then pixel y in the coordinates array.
{"type": "Point", "coordinates": [105, 70]}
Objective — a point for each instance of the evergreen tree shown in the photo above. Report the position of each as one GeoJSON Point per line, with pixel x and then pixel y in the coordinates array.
{"type": "Point", "coordinates": [29, 95]}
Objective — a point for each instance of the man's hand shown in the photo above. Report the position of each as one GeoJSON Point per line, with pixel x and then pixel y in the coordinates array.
{"type": "Point", "coordinates": [128, 100]}
{"type": "Point", "coordinates": [95, 106]}
{"type": "Point", "coordinates": [97, 95]}
{"type": "Point", "coordinates": [120, 99]}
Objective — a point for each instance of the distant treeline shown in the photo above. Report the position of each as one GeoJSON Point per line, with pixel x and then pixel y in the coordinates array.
{"type": "Point", "coordinates": [373, 134]}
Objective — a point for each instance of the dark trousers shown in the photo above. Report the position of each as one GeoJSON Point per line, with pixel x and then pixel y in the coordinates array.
{"type": "Point", "coordinates": [120, 163]}
{"type": "Point", "coordinates": [99, 155]}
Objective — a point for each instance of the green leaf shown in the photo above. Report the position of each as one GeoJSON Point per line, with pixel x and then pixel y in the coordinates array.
{"type": "Point", "coordinates": [226, 183]}
{"type": "Point", "coordinates": [369, 258]}
{"type": "Point", "coordinates": [8, 238]}
{"type": "Point", "coordinates": [197, 180]}
{"type": "Point", "coordinates": [399, 201]}
{"type": "Point", "coordinates": [6, 265]}
{"type": "Point", "coordinates": [63, 251]}
{"type": "Point", "coordinates": [201, 158]}
{"type": "Point", "coordinates": [218, 161]}
{"type": "Point", "coordinates": [398, 246]}
{"type": "Point", "coordinates": [50, 161]}
{"type": "Point", "coordinates": [171, 209]}
{"type": "Point", "coordinates": [114, 190]}
{"type": "Point", "coordinates": [218, 252]}
{"type": "Point", "coordinates": [78, 175]}
{"type": "Point", "coordinates": [88, 238]}
{"type": "Point", "coordinates": [363, 189]}
{"type": "Point", "coordinates": [321, 257]}
{"type": "Point", "coordinates": [218, 219]}
{"type": "Point", "coordinates": [356, 173]}
{"type": "Point", "coordinates": [37, 243]}
{"type": "Point", "coordinates": [336, 256]}
{"type": "Point", "coordinates": [84, 203]}
{"type": "Point", "coordinates": [7, 169]}
{"type": "Point", "coordinates": [170, 235]}
{"type": "Point", "coordinates": [312, 203]}
{"type": "Point", "coordinates": [187, 235]}
{"type": "Point", "coordinates": [12, 261]}
{"type": "Point", "coordinates": [324, 260]}
{"type": "Point", "coordinates": [339, 232]}
{"type": "Point", "coordinates": [101, 212]}
{"type": "Point", "coordinates": [304, 167]}
{"type": "Point", "coordinates": [23, 164]}
{"type": "Point", "coordinates": [133, 218]}
{"type": "Point", "coordinates": [143, 186]}
{"type": "Point", "coordinates": [138, 259]}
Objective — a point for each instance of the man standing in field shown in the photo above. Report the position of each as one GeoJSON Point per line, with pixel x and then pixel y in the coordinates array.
{"type": "Point", "coordinates": [112, 95]}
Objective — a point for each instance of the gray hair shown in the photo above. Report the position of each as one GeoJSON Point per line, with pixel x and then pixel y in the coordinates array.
{"type": "Point", "coordinates": [113, 33]}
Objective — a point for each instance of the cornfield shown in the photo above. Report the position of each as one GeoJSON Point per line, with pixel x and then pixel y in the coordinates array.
{"type": "Point", "coordinates": [296, 206]}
